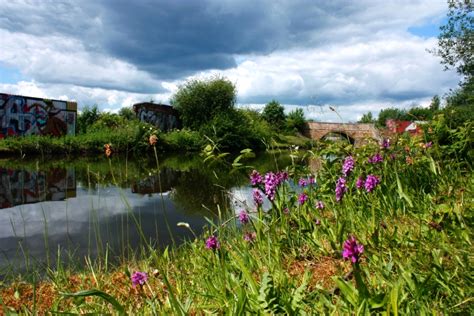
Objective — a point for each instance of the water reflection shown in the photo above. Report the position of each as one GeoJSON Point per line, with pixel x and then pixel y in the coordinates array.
{"type": "Point", "coordinates": [84, 207]}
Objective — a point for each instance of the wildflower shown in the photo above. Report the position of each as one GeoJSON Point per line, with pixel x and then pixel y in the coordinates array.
{"type": "Point", "coordinates": [371, 182]}
{"type": "Point", "coordinates": [212, 243]}
{"type": "Point", "coordinates": [311, 180]}
{"type": "Point", "coordinates": [347, 166]}
{"type": "Point", "coordinates": [317, 222]}
{"type": "Point", "coordinates": [352, 250]}
{"type": "Point", "coordinates": [257, 197]}
{"type": "Point", "coordinates": [302, 182]}
{"type": "Point", "coordinates": [360, 183]}
{"type": "Point", "coordinates": [153, 140]}
{"type": "Point", "coordinates": [319, 205]}
{"type": "Point", "coordinates": [376, 158]}
{"type": "Point", "coordinates": [271, 183]}
{"type": "Point", "coordinates": [409, 160]}
{"type": "Point", "coordinates": [302, 198]}
{"type": "Point", "coordinates": [286, 210]}
{"type": "Point", "coordinates": [244, 217]}
{"type": "Point", "coordinates": [108, 150]}
{"type": "Point", "coordinates": [255, 178]}
{"type": "Point", "coordinates": [393, 156]}
{"type": "Point", "coordinates": [427, 145]}
{"type": "Point", "coordinates": [340, 188]}
{"type": "Point", "coordinates": [138, 278]}
{"type": "Point", "coordinates": [282, 176]}
{"type": "Point", "coordinates": [250, 237]}
{"type": "Point", "coordinates": [385, 143]}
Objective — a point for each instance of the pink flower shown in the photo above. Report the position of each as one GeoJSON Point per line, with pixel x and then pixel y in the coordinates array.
{"type": "Point", "coordinates": [212, 243]}
{"type": "Point", "coordinates": [352, 250]}
{"type": "Point", "coordinates": [138, 278]}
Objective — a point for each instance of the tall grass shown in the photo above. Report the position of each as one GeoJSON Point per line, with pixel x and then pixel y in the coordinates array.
{"type": "Point", "coordinates": [415, 226]}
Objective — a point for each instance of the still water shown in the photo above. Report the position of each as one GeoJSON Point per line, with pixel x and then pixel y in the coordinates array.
{"type": "Point", "coordinates": [66, 210]}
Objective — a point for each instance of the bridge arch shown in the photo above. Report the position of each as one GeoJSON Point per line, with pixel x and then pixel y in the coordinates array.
{"type": "Point", "coordinates": [338, 135]}
{"type": "Point", "coordinates": [356, 133]}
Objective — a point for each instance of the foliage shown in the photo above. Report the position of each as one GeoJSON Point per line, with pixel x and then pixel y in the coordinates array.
{"type": "Point", "coordinates": [456, 41]}
{"type": "Point", "coordinates": [86, 118]}
{"type": "Point", "coordinates": [274, 114]}
{"type": "Point", "coordinates": [414, 226]}
{"type": "Point", "coordinates": [435, 103]}
{"type": "Point", "coordinates": [295, 121]}
{"type": "Point", "coordinates": [199, 101]}
{"type": "Point", "coordinates": [390, 113]}
{"type": "Point", "coordinates": [367, 118]}
{"type": "Point", "coordinates": [128, 113]}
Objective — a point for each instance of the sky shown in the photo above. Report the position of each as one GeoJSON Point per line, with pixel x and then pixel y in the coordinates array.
{"type": "Point", "coordinates": [353, 56]}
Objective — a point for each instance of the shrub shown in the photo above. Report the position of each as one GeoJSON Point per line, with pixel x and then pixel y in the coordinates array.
{"type": "Point", "coordinates": [199, 101]}
{"type": "Point", "coordinates": [274, 114]}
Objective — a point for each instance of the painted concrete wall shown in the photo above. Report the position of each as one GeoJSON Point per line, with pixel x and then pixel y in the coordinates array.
{"type": "Point", "coordinates": [162, 116]}
{"type": "Point", "coordinates": [21, 115]}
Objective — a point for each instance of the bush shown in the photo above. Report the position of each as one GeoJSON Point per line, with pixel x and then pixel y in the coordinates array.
{"type": "Point", "coordinates": [295, 121]}
{"type": "Point", "coordinates": [199, 101]}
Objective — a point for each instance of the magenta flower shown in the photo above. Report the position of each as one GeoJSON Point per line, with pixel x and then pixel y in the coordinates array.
{"type": "Point", "coordinates": [212, 243]}
{"type": "Point", "coordinates": [282, 176]}
{"type": "Point", "coordinates": [376, 158]}
{"type": "Point", "coordinates": [385, 143]}
{"type": "Point", "coordinates": [371, 182]}
{"type": "Point", "coordinates": [319, 205]}
{"type": "Point", "coordinates": [302, 198]}
{"type": "Point", "coordinates": [340, 188]}
{"type": "Point", "coordinates": [302, 182]}
{"type": "Point", "coordinates": [352, 250]}
{"type": "Point", "coordinates": [286, 210]}
{"type": "Point", "coordinates": [311, 180]}
{"type": "Point", "coordinates": [244, 217]}
{"type": "Point", "coordinates": [348, 166]}
{"type": "Point", "coordinates": [257, 197]}
{"type": "Point", "coordinates": [256, 178]}
{"type": "Point", "coordinates": [317, 222]}
{"type": "Point", "coordinates": [360, 183]}
{"type": "Point", "coordinates": [138, 278]}
{"type": "Point", "coordinates": [271, 184]}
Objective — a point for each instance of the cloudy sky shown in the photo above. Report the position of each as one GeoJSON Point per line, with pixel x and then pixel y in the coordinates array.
{"type": "Point", "coordinates": [355, 56]}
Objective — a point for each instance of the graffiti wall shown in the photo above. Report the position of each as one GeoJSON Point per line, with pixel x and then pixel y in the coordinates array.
{"type": "Point", "coordinates": [21, 186]}
{"type": "Point", "coordinates": [162, 116]}
{"type": "Point", "coordinates": [20, 115]}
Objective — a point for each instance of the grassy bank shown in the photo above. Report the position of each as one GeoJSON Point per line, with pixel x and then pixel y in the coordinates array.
{"type": "Point", "coordinates": [132, 138]}
{"type": "Point", "coordinates": [386, 231]}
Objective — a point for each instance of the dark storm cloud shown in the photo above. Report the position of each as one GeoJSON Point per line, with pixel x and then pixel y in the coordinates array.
{"type": "Point", "coordinates": [171, 39]}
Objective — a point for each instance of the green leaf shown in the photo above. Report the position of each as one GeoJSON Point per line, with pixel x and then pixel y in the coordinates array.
{"type": "Point", "coordinates": [110, 299]}
{"type": "Point", "coordinates": [348, 291]}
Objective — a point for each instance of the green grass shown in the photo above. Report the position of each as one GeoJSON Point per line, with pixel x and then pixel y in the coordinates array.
{"type": "Point", "coordinates": [415, 226]}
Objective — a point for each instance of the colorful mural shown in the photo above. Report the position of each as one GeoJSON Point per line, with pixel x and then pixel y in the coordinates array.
{"type": "Point", "coordinates": [162, 116]}
{"type": "Point", "coordinates": [21, 187]}
{"type": "Point", "coordinates": [20, 115]}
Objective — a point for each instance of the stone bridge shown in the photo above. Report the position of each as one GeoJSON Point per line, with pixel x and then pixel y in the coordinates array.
{"type": "Point", "coordinates": [357, 134]}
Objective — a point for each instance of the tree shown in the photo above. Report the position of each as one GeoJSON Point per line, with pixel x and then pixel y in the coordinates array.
{"type": "Point", "coordinates": [274, 113]}
{"type": "Point", "coordinates": [456, 41]}
{"type": "Point", "coordinates": [435, 103]}
{"type": "Point", "coordinates": [390, 113]}
{"type": "Point", "coordinates": [199, 101]}
{"type": "Point", "coordinates": [367, 118]}
{"type": "Point", "coordinates": [86, 118]}
{"type": "Point", "coordinates": [127, 113]}
{"type": "Point", "coordinates": [295, 120]}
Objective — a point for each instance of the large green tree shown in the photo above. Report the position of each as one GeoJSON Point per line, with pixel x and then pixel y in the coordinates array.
{"type": "Point", "coordinates": [199, 101]}
{"type": "Point", "coordinates": [274, 114]}
{"type": "Point", "coordinates": [456, 40]}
